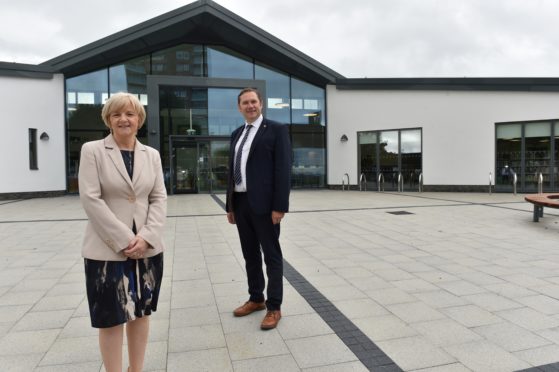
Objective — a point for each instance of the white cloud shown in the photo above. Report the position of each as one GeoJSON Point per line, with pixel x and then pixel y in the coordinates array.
{"type": "Point", "coordinates": [357, 38]}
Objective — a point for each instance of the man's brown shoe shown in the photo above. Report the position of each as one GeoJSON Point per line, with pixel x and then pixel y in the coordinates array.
{"type": "Point", "coordinates": [271, 319]}
{"type": "Point", "coordinates": [249, 307]}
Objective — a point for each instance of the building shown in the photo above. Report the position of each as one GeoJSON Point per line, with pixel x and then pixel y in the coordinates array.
{"type": "Point", "coordinates": [187, 67]}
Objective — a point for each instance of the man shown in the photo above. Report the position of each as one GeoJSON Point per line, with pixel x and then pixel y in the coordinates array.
{"type": "Point", "coordinates": [257, 199]}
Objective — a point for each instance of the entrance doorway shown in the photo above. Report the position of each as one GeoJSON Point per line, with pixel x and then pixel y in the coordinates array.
{"type": "Point", "coordinates": [190, 171]}
{"type": "Point", "coordinates": [190, 120]}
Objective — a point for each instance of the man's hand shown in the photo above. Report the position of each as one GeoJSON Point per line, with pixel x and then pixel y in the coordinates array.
{"type": "Point", "coordinates": [231, 217]}
{"type": "Point", "coordinates": [277, 216]}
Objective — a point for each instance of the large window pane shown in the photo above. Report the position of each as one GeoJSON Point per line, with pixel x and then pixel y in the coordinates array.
{"type": "Point", "coordinates": [308, 156]}
{"type": "Point", "coordinates": [307, 103]}
{"type": "Point", "coordinates": [410, 155]}
{"type": "Point", "coordinates": [556, 156]}
{"type": "Point", "coordinates": [368, 157]}
{"type": "Point", "coordinates": [219, 165]}
{"type": "Point", "coordinates": [509, 149]}
{"type": "Point", "coordinates": [182, 111]}
{"type": "Point", "coordinates": [183, 60]}
{"type": "Point", "coordinates": [223, 115]}
{"type": "Point", "coordinates": [85, 96]}
{"type": "Point", "coordinates": [224, 63]}
{"type": "Point", "coordinates": [538, 154]}
{"type": "Point", "coordinates": [388, 158]}
{"type": "Point", "coordinates": [130, 76]}
{"type": "Point", "coordinates": [277, 93]}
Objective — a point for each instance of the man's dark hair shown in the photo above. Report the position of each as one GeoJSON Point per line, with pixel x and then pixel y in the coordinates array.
{"type": "Point", "coordinates": [247, 90]}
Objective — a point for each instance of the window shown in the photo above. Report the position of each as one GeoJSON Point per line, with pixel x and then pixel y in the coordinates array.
{"type": "Point", "coordinates": [277, 93]}
{"type": "Point", "coordinates": [391, 153]}
{"type": "Point", "coordinates": [184, 60]}
{"type": "Point", "coordinates": [225, 63]}
{"type": "Point", "coordinates": [130, 76]}
{"type": "Point", "coordinates": [309, 167]}
{"type": "Point", "coordinates": [307, 103]}
{"type": "Point", "coordinates": [524, 151]}
{"type": "Point", "coordinates": [33, 149]}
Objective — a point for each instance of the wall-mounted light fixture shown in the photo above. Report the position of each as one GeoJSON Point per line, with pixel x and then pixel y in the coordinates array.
{"type": "Point", "coordinates": [44, 136]}
{"type": "Point", "coordinates": [343, 138]}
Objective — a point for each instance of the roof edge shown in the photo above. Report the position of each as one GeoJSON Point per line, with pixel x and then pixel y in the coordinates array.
{"type": "Point", "coordinates": [521, 84]}
{"type": "Point", "coordinates": [26, 70]}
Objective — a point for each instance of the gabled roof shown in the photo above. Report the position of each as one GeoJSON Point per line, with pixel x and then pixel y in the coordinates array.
{"type": "Point", "coordinates": [519, 84]}
{"type": "Point", "coordinates": [201, 22]}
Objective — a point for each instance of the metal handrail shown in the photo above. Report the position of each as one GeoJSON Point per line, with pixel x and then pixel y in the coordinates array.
{"type": "Point", "coordinates": [490, 182]}
{"type": "Point", "coordinates": [380, 177]}
{"type": "Point", "coordinates": [400, 182]}
{"type": "Point", "coordinates": [345, 175]}
{"type": "Point", "coordinates": [420, 182]}
{"type": "Point", "coordinates": [362, 179]}
{"type": "Point", "coordinates": [540, 183]}
{"type": "Point", "coordinates": [514, 180]}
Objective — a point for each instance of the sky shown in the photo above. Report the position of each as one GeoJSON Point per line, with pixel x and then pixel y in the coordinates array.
{"type": "Point", "coordinates": [356, 38]}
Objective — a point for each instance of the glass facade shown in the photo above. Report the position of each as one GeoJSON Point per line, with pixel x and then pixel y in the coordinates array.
{"type": "Point", "coordinates": [307, 103]}
{"type": "Point", "coordinates": [85, 95]}
{"type": "Point", "coordinates": [195, 122]}
{"type": "Point", "coordinates": [277, 93]}
{"type": "Point", "coordinates": [388, 155]}
{"type": "Point", "coordinates": [527, 150]}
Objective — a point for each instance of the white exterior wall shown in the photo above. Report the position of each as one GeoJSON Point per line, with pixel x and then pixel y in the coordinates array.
{"type": "Point", "coordinates": [458, 127]}
{"type": "Point", "coordinates": [32, 103]}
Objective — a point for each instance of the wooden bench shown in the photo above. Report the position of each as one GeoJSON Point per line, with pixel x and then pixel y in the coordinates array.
{"type": "Point", "coordinates": [540, 201]}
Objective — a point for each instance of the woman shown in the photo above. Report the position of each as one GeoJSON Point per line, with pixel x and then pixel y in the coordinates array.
{"type": "Point", "coordinates": [124, 197]}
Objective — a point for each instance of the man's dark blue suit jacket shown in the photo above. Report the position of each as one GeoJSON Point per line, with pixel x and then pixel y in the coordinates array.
{"type": "Point", "coordinates": [268, 169]}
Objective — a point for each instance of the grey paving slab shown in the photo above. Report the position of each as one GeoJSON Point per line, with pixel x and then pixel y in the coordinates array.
{"type": "Point", "coordinates": [415, 353]}
{"type": "Point", "coordinates": [511, 337]}
{"type": "Point", "coordinates": [444, 332]}
{"type": "Point", "coordinates": [485, 356]}
{"type": "Point", "coordinates": [254, 343]}
{"type": "Point", "coordinates": [319, 351]}
{"type": "Point", "coordinates": [458, 279]}
{"type": "Point", "coordinates": [539, 356]}
{"type": "Point", "coordinates": [279, 363]}
{"type": "Point", "coordinates": [200, 360]}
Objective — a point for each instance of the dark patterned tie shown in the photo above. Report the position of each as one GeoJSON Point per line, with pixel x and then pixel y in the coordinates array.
{"type": "Point", "coordinates": [237, 173]}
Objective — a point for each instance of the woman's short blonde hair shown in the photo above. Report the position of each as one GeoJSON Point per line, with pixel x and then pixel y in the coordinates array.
{"type": "Point", "coordinates": [120, 100]}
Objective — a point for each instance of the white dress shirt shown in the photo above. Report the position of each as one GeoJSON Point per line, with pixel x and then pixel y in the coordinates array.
{"type": "Point", "coordinates": [242, 187]}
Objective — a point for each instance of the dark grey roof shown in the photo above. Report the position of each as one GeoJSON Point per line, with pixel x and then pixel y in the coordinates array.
{"type": "Point", "coordinates": [202, 22]}
{"type": "Point", "coordinates": [25, 70]}
{"type": "Point", "coordinates": [536, 84]}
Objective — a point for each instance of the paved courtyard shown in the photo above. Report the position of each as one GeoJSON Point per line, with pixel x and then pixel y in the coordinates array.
{"type": "Point", "coordinates": [380, 281]}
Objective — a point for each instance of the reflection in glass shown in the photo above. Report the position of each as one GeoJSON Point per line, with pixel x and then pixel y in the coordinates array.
{"type": "Point", "coordinates": [130, 76]}
{"type": "Point", "coordinates": [368, 158]}
{"type": "Point", "coordinates": [86, 94]}
{"type": "Point", "coordinates": [509, 149]}
{"type": "Point", "coordinates": [556, 156]}
{"type": "Point", "coordinates": [219, 165]}
{"type": "Point", "coordinates": [307, 103]}
{"type": "Point", "coordinates": [277, 93]}
{"type": "Point", "coordinates": [537, 154]}
{"type": "Point", "coordinates": [308, 156]}
{"type": "Point", "coordinates": [388, 158]}
{"type": "Point", "coordinates": [182, 60]}
{"type": "Point", "coordinates": [223, 114]}
{"type": "Point", "coordinates": [182, 111]}
{"type": "Point", "coordinates": [224, 63]}
{"type": "Point", "coordinates": [185, 156]}
{"type": "Point", "coordinates": [410, 155]}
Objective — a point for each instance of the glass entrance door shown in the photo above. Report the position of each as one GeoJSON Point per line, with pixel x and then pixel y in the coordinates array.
{"type": "Point", "coordinates": [190, 166]}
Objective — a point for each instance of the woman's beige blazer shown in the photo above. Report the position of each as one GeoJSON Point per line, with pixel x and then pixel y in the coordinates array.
{"type": "Point", "coordinates": [112, 201]}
